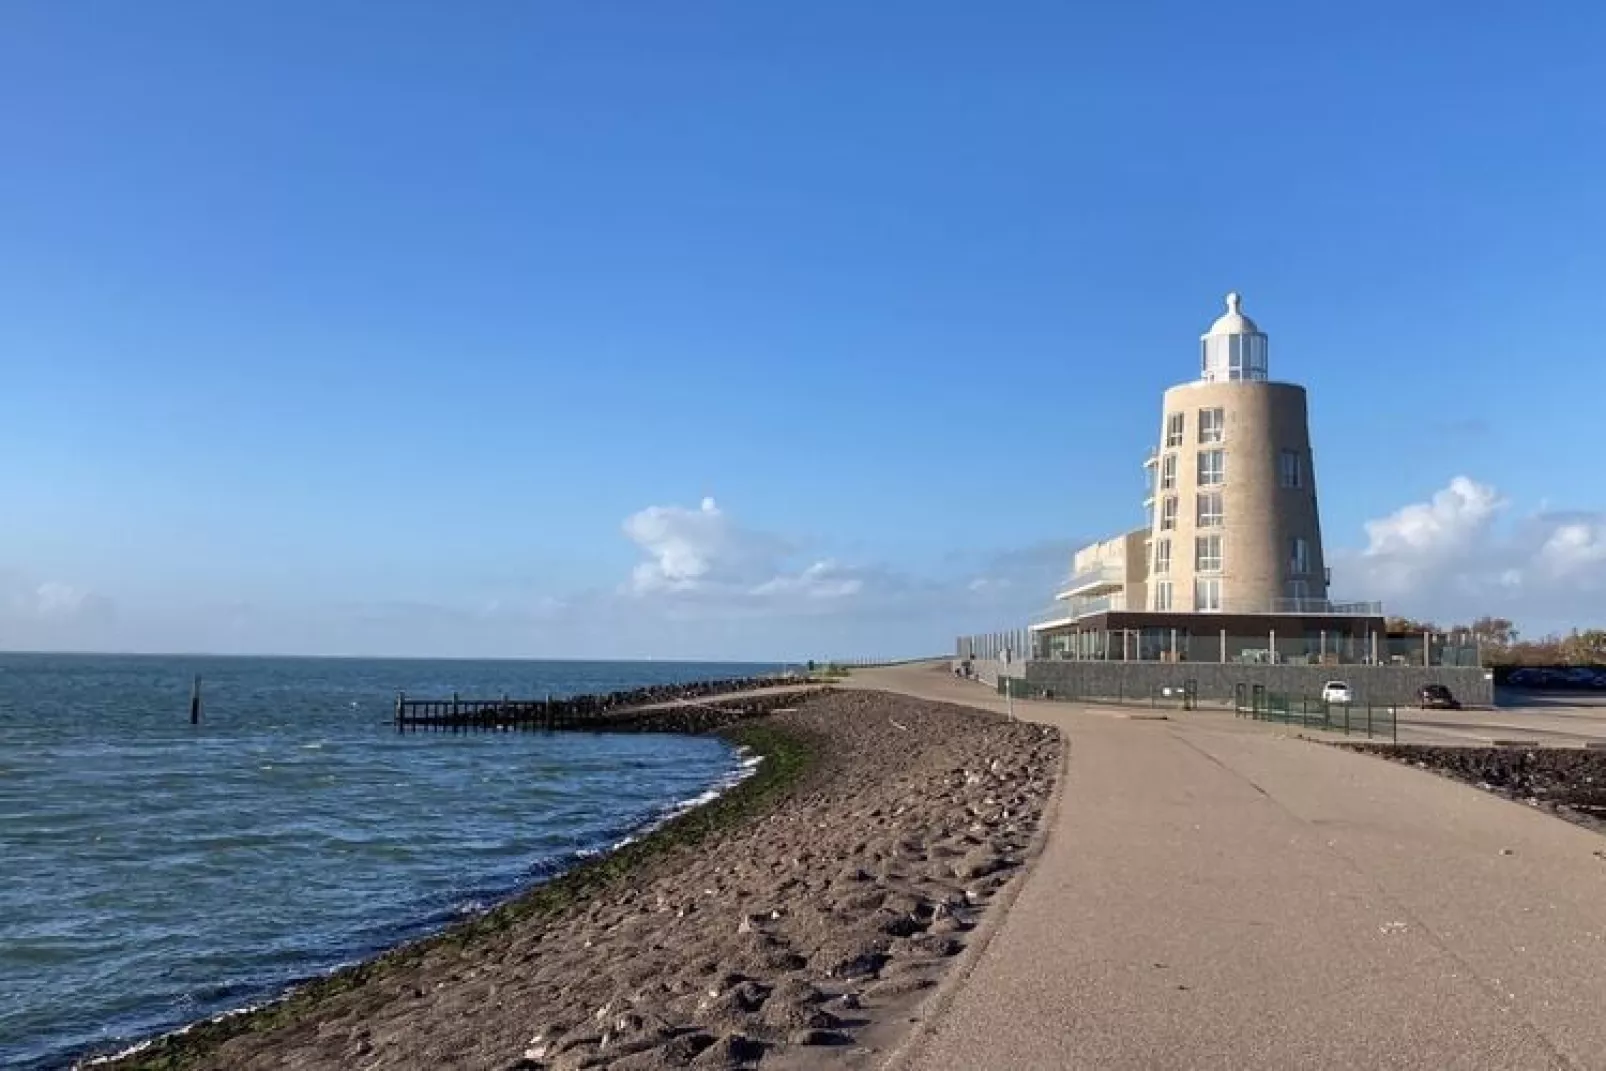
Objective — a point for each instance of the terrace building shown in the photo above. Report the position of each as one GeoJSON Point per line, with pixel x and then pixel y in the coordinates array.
{"type": "Point", "coordinates": [1228, 567]}
{"type": "Point", "coordinates": [1229, 564]}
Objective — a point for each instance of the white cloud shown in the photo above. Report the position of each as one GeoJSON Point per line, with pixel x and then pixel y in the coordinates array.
{"type": "Point", "coordinates": [1452, 520]}
{"type": "Point", "coordinates": [706, 586]}
{"type": "Point", "coordinates": [822, 580]}
{"type": "Point", "coordinates": [1461, 554]}
{"type": "Point", "coordinates": [52, 601]}
{"type": "Point", "coordinates": [703, 553]}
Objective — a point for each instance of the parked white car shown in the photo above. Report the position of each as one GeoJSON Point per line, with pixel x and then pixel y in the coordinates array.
{"type": "Point", "coordinates": [1335, 692]}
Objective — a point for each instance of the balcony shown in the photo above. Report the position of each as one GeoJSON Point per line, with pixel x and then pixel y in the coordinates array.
{"type": "Point", "coordinates": [1067, 611]}
{"type": "Point", "coordinates": [1152, 458]}
{"type": "Point", "coordinates": [1052, 617]}
{"type": "Point", "coordinates": [1322, 607]}
{"type": "Point", "coordinates": [1088, 581]}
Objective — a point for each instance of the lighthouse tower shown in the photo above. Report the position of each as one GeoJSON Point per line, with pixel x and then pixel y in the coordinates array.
{"type": "Point", "coordinates": [1234, 526]}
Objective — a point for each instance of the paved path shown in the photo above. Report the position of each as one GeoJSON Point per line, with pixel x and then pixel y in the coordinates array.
{"type": "Point", "coordinates": [1221, 895]}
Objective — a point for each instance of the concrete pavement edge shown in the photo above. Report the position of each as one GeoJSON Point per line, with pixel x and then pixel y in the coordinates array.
{"type": "Point", "coordinates": [930, 1011]}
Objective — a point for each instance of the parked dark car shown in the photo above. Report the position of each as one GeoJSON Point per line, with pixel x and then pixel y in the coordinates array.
{"type": "Point", "coordinates": [1437, 696]}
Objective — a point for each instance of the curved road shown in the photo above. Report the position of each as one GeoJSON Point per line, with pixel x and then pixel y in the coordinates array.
{"type": "Point", "coordinates": [1216, 894]}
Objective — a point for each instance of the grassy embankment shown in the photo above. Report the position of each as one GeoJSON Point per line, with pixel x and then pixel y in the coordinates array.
{"type": "Point", "coordinates": [787, 756]}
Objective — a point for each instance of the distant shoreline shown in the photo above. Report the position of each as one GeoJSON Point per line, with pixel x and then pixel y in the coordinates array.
{"type": "Point", "coordinates": [541, 660]}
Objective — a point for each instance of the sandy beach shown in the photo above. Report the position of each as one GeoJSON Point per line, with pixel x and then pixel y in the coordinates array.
{"type": "Point", "coordinates": [801, 920]}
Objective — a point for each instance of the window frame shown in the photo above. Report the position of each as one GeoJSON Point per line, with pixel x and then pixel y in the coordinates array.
{"type": "Point", "coordinates": [1216, 429]}
{"type": "Point", "coordinates": [1219, 468]}
{"type": "Point", "coordinates": [1290, 470]}
{"type": "Point", "coordinates": [1168, 472]}
{"type": "Point", "coordinates": [1298, 556]}
{"type": "Point", "coordinates": [1162, 562]}
{"type": "Point", "coordinates": [1175, 428]}
{"type": "Point", "coordinates": [1202, 584]}
{"type": "Point", "coordinates": [1200, 542]}
{"type": "Point", "coordinates": [1162, 586]}
{"type": "Point", "coordinates": [1168, 513]}
{"type": "Point", "coordinates": [1218, 518]}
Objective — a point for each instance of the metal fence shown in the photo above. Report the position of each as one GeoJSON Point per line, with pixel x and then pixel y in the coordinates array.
{"type": "Point", "coordinates": [1313, 712]}
{"type": "Point", "coordinates": [1010, 645]}
{"type": "Point", "coordinates": [1373, 721]}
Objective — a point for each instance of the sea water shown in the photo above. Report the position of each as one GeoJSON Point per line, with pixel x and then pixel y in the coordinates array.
{"type": "Point", "coordinates": [153, 872]}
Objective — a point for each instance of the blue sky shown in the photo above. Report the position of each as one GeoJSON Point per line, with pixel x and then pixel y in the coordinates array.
{"type": "Point", "coordinates": [419, 328]}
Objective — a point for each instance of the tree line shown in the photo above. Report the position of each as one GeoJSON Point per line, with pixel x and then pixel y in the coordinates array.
{"type": "Point", "coordinates": [1502, 646]}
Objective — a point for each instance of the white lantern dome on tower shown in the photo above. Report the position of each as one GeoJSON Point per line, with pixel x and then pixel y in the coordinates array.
{"type": "Point", "coordinates": [1234, 348]}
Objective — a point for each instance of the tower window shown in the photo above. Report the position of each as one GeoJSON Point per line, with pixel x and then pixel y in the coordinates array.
{"type": "Point", "coordinates": [1212, 467]}
{"type": "Point", "coordinates": [1290, 471]}
{"type": "Point", "coordinates": [1162, 595]}
{"type": "Point", "coordinates": [1210, 510]}
{"type": "Point", "coordinates": [1168, 513]}
{"type": "Point", "coordinates": [1297, 590]}
{"type": "Point", "coordinates": [1212, 425]}
{"type": "Point", "coordinates": [1173, 429]}
{"type": "Point", "coordinates": [1207, 593]}
{"type": "Point", "coordinates": [1207, 554]}
{"type": "Point", "coordinates": [1162, 556]}
{"type": "Point", "coordinates": [1298, 556]}
{"type": "Point", "coordinates": [1168, 472]}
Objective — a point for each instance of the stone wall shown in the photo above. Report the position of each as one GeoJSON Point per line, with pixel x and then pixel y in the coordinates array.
{"type": "Point", "coordinates": [1217, 681]}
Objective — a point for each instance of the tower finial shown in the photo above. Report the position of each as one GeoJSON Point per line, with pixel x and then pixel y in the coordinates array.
{"type": "Point", "coordinates": [1233, 300]}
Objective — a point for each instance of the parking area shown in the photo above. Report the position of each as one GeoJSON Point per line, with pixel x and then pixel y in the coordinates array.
{"type": "Point", "coordinates": [1548, 718]}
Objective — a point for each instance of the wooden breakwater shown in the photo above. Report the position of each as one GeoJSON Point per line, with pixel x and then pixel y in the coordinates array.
{"type": "Point", "coordinates": [693, 707]}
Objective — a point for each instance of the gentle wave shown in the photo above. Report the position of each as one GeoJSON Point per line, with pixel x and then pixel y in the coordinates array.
{"type": "Point", "coordinates": [170, 873]}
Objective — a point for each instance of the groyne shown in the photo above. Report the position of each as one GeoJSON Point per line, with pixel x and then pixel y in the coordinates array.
{"type": "Point", "coordinates": [693, 707]}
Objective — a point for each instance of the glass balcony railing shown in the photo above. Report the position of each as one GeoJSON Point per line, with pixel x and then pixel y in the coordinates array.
{"type": "Point", "coordinates": [1072, 609]}
{"type": "Point", "coordinates": [1327, 606]}
{"type": "Point", "coordinates": [1098, 576]}
{"type": "Point", "coordinates": [1060, 611]}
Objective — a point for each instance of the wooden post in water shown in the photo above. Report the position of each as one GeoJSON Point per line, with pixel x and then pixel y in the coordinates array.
{"type": "Point", "coordinates": [401, 703]}
{"type": "Point", "coordinates": [195, 701]}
